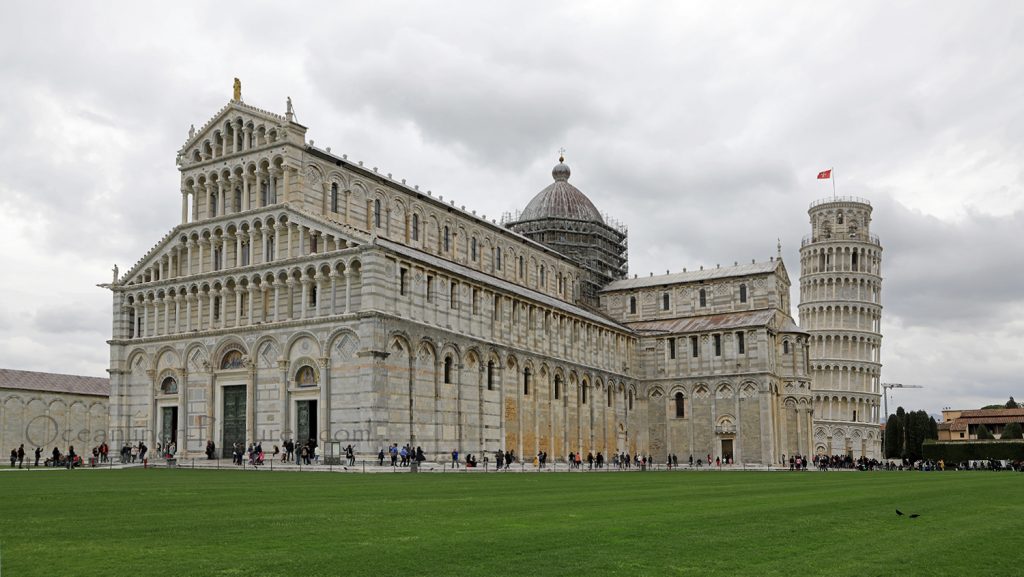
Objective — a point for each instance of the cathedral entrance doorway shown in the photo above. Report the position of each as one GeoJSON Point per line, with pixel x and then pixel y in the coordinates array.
{"type": "Point", "coordinates": [233, 430]}
{"type": "Point", "coordinates": [168, 425]}
{"type": "Point", "coordinates": [305, 421]}
{"type": "Point", "coordinates": [726, 449]}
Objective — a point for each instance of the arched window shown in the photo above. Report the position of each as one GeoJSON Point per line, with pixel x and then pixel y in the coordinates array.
{"type": "Point", "coordinates": [522, 267]}
{"type": "Point", "coordinates": [447, 238]}
{"type": "Point", "coordinates": [680, 405]}
{"type": "Point", "coordinates": [213, 205]}
{"type": "Point", "coordinates": [785, 347]}
{"type": "Point", "coordinates": [305, 376]}
{"type": "Point", "coordinates": [472, 249]}
{"type": "Point", "coordinates": [312, 295]}
{"type": "Point", "coordinates": [609, 396]}
{"type": "Point", "coordinates": [664, 301]}
{"type": "Point", "coordinates": [334, 197]}
{"type": "Point", "coordinates": [415, 226]}
{"type": "Point", "coordinates": [558, 387]}
{"type": "Point", "coordinates": [376, 212]}
{"type": "Point", "coordinates": [703, 297]}
{"type": "Point", "coordinates": [718, 345]}
{"type": "Point", "coordinates": [497, 257]}
{"type": "Point", "coordinates": [490, 375]}
{"type": "Point", "coordinates": [448, 370]}
{"type": "Point", "coordinates": [543, 277]}
{"type": "Point", "coordinates": [231, 360]}
{"type": "Point", "coordinates": [169, 386]}
{"type": "Point", "coordinates": [216, 308]}
{"type": "Point", "coordinates": [454, 299]}
{"type": "Point", "coordinates": [839, 218]}
{"type": "Point", "coordinates": [631, 400]}
{"type": "Point", "coordinates": [632, 305]}
{"type": "Point", "coordinates": [583, 389]}
{"type": "Point", "coordinates": [526, 381]}
{"type": "Point", "coordinates": [743, 293]}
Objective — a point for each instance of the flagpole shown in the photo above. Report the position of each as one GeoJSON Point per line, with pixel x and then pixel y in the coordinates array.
{"type": "Point", "coordinates": [833, 183]}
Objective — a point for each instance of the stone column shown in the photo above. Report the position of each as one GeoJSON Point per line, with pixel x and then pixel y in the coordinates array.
{"type": "Point", "coordinates": [150, 434]}
{"type": "Point", "coordinates": [177, 313]}
{"type": "Point", "coordinates": [334, 290]}
{"type": "Point", "coordinates": [184, 206]}
{"type": "Point", "coordinates": [182, 411]}
{"type": "Point", "coordinates": [211, 399]}
{"type": "Point", "coordinates": [213, 305]}
{"type": "Point", "coordinates": [221, 203]}
{"type": "Point", "coordinates": [250, 402]}
{"type": "Point", "coordinates": [238, 308]}
{"type": "Point", "coordinates": [263, 247]}
{"type": "Point", "coordinates": [252, 300]}
{"type": "Point", "coordinates": [277, 294]}
{"type": "Point", "coordinates": [348, 290]}
{"type": "Point", "coordinates": [189, 299]}
{"type": "Point", "coordinates": [319, 295]}
{"type": "Point", "coordinates": [286, 427]}
{"type": "Point", "coordinates": [305, 298]}
{"type": "Point", "coordinates": [325, 402]}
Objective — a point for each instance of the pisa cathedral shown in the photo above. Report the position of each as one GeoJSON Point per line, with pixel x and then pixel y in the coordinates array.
{"type": "Point", "coordinates": [304, 295]}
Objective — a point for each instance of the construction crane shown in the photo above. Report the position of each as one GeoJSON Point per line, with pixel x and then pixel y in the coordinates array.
{"type": "Point", "coordinates": [887, 386]}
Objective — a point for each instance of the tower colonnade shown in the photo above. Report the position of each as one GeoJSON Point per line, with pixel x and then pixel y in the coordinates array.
{"type": "Point", "coordinates": [840, 306]}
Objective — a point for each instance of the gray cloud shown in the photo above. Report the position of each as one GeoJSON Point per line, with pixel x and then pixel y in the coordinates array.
{"type": "Point", "coordinates": [699, 127]}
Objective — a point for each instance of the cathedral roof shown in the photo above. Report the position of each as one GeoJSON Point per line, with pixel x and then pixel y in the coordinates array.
{"type": "Point", "coordinates": [694, 275]}
{"type": "Point", "coordinates": [719, 322]}
{"type": "Point", "coordinates": [54, 383]}
{"type": "Point", "coordinates": [561, 200]}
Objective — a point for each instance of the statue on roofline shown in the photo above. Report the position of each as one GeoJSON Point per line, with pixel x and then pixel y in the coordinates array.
{"type": "Point", "coordinates": [238, 90]}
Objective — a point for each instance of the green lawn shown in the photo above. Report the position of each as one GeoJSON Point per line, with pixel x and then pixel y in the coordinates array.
{"type": "Point", "coordinates": [184, 522]}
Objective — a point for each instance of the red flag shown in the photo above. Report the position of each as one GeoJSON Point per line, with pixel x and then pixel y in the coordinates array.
{"type": "Point", "coordinates": [825, 174]}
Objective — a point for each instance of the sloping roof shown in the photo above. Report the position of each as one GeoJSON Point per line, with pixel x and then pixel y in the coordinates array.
{"type": "Point", "coordinates": [693, 276]}
{"type": "Point", "coordinates": [54, 383]}
{"type": "Point", "coordinates": [992, 413]}
{"type": "Point", "coordinates": [500, 283]}
{"type": "Point", "coordinates": [718, 322]}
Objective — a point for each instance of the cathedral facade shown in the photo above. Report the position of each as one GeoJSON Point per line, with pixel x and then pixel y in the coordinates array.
{"type": "Point", "coordinates": [304, 295]}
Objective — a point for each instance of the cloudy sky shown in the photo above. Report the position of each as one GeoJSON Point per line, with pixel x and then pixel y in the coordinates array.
{"type": "Point", "coordinates": [699, 126]}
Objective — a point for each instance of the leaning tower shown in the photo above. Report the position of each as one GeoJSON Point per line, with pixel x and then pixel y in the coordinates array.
{"type": "Point", "coordinates": [841, 308]}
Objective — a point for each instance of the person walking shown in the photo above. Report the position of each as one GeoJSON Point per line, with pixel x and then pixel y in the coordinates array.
{"type": "Point", "coordinates": [21, 454]}
{"type": "Point", "coordinates": [39, 453]}
{"type": "Point", "coordinates": [455, 458]}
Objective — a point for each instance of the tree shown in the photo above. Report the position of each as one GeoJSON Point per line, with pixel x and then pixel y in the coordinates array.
{"type": "Point", "coordinates": [1012, 431]}
{"type": "Point", "coordinates": [906, 432]}
{"type": "Point", "coordinates": [983, 433]}
{"type": "Point", "coordinates": [917, 430]}
{"type": "Point", "coordinates": [893, 438]}
{"type": "Point", "coordinates": [1011, 404]}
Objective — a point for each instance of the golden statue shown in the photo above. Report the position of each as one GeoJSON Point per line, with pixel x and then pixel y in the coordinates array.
{"type": "Point", "coordinates": [238, 90]}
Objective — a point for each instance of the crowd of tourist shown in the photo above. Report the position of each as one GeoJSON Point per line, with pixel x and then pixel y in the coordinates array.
{"type": "Point", "coordinates": [309, 454]}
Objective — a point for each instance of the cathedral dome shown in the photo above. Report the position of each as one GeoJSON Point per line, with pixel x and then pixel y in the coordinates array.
{"type": "Point", "coordinates": [561, 200]}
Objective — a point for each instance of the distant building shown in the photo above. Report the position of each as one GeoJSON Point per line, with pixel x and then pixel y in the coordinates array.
{"type": "Point", "coordinates": [51, 410]}
{"type": "Point", "coordinates": [962, 425]}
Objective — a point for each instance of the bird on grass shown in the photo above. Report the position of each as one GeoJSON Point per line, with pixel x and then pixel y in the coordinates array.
{"type": "Point", "coordinates": [912, 515]}
{"type": "Point", "coordinates": [898, 512]}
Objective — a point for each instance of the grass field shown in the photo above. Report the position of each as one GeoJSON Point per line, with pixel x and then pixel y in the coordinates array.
{"type": "Point", "coordinates": [182, 522]}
